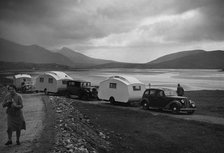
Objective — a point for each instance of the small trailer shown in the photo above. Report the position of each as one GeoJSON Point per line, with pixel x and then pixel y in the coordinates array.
{"type": "Point", "coordinates": [124, 89]}
{"type": "Point", "coordinates": [22, 81]}
{"type": "Point", "coordinates": [52, 81]}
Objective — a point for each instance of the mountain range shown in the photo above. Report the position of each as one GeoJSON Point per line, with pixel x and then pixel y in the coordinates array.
{"type": "Point", "coordinates": [194, 59]}
{"type": "Point", "coordinates": [197, 59]}
{"type": "Point", "coordinates": [13, 52]}
{"type": "Point", "coordinates": [65, 57]}
{"type": "Point", "coordinates": [81, 60]}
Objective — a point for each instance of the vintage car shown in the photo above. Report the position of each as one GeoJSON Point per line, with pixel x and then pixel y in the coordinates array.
{"type": "Point", "coordinates": [80, 89]}
{"type": "Point", "coordinates": [157, 99]}
{"type": "Point", "coordinates": [26, 88]}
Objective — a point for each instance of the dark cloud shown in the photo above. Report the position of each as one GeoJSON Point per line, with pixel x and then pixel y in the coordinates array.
{"type": "Point", "coordinates": [54, 20]}
{"type": "Point", "coordinates": [27, 11]}
{"type": "Point", "coordinates": [51, 22]}
{"type": "Point", "coordinates": [209, 28]}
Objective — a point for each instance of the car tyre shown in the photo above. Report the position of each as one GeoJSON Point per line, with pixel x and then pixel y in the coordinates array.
{"type": "Point", "coordinates": [145, 105]}
{"type": "Point", "coordinates": [45, 91]}
{"type": "Point", "coordinates": [84, 97]}
{"type": "Point", "coordinates": [112, 101]}
{"type": "Point", "coordinates": [68, 95]}
{"type": "Point", "coordinates": [175, 109]}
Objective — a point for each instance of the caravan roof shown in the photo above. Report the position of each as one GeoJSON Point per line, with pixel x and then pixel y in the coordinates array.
{"type": "Point", "coordinates": [22, 76]}
{"type": "Point", "coordinates": [59, 75]}
{"type": "Point", "coordinates": [126, 79]}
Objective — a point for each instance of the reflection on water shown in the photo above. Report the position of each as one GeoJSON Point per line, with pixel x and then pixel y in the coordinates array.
{"type": "Point", "coordinates": [199, 79]}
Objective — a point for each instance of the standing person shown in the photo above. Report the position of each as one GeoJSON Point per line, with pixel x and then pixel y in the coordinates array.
{"type": "Point", "coordinates": [23, 87]}
{"type": "Point", "coordinates": [180, 90]}
{"type": "Point", "coordinates": [15, 119]}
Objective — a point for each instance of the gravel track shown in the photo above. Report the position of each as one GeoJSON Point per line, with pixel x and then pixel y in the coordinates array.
{"type": "Point", "coordinates": [34, 114]}
{"type": "Point", "coordinates": [193, 117]}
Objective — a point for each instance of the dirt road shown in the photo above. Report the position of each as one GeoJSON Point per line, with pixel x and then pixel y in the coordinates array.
{"type": "Point", "coordinates": [34, 116]}
{"type": "Point", "coordinates": [34, 113]}
{"type": "Point", "coordinates": [193, 117]}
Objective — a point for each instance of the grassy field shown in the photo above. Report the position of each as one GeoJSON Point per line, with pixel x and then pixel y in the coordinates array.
{"type": "Point", "coordinates": [131, 131]}
{"type": "Point", "coordinates": [208, 102]}
{"type": "Point", "coordinates": [141, 132]}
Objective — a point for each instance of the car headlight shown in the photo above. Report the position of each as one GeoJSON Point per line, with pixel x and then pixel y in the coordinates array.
{"type": "Point", "coordinates": [192, 103]}
{"type": "Point", "coordinates": [182, 101]}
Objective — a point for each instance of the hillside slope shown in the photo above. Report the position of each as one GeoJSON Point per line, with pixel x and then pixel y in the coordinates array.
{"type": "Point", "coordinates": [12, 52]}
{"type": "Point", "coordinates": [174, 56]}
{"type": "Point", "coordinates": [81, 59]}
{"type": "Point", "coordinates": [197, 59]}
{"type": "Point", "coordinates": [203, 60]}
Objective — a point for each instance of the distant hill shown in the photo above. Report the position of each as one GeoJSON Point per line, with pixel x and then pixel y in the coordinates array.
{"type": "Point", "coordinates": [194, 59]}
{"type": "Point", "coordinates": [16, 66]}
{"type": "Point", "coordinates": [81, 60]}
{"type": "Point", "coordinates": [199, 60]}
{"type": "Point", "coordinates": [12, 52]}
{"type": "Point", "coordinates": [174, 56]}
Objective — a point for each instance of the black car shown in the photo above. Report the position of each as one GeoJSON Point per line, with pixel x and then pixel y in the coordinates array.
{"type": "Point", "coordinates": [81, 89]}
{"type": "Point", "coordinates": [26, 88]}
{"type": "Point", "coordinates": [156, 98]}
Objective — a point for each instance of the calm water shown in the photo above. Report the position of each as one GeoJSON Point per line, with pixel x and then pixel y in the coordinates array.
{"type": "Point", "coordinates": [190, 79]}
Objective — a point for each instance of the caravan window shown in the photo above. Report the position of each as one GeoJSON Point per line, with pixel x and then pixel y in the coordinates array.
{"type": "Point", "coordinates": [50, 80]}
{"type": "Point", "coordinates": [71, 84]}
{"type": "Point", "coordinates": [136, 88]}
{"type": "Point", "coordinates": [41, 79]}
{"type": "Point", "coordinates": [113, 85]}
{"type": "Point", "coordinates": [64, 81]}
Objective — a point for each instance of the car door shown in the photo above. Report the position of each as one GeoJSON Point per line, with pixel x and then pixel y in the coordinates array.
{"type": "Point", "coordinates": [159, 99]}
{"type": "Point", "coordinates": [152, 98]}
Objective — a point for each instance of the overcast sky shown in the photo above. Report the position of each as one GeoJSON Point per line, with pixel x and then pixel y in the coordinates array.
{"type": "Point", "coordinates": [128, 31]}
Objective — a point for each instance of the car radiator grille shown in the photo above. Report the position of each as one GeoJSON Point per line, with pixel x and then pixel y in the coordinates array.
{"type": "Point", "coordinates": [186, 103]}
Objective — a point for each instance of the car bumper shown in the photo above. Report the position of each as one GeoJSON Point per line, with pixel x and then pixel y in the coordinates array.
{"type": "Point", "coordinates": [188, 109]}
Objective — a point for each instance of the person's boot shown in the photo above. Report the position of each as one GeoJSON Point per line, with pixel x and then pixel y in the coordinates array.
{"type": "Point", "coordinates": [8, 142]}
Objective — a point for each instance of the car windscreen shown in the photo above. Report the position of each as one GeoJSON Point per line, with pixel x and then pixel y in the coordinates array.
{"type": "Point", "coordinates": [86, 84]}
{"type": "Point", "coordinates": [169, 92]}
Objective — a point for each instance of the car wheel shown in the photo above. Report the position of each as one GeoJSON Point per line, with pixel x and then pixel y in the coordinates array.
{"type": "Point", "coordinates": [175, 109]}
{"type": "Point", "coordinates": [190, 112]}
{"type": "Point", "coordinates": [85, 97]}
{"type": "Point", "coordinates": [97, 98]}
{"type": "Point", "coordinates": [145, 105]}
{"type": "Point", "coordinates": [68, 95]}
{"type": "Point", "coordinates": [112, 101]}
{"type": "Point", "coordinates": [45, 91]}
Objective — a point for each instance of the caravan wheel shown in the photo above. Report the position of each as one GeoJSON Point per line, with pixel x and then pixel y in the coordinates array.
{"type": "Point", "coordinates": [45, 91]}
{"type": "Point", "coordinates": [112, 101]}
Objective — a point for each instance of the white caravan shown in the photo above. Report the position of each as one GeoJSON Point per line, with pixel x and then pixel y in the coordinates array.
{"type": "Point", "coordinates": [121, 89]}
{"type": "Point", "coordinates": [51, 81]}
{"type": "Point", "coordinates": [21, 79]}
